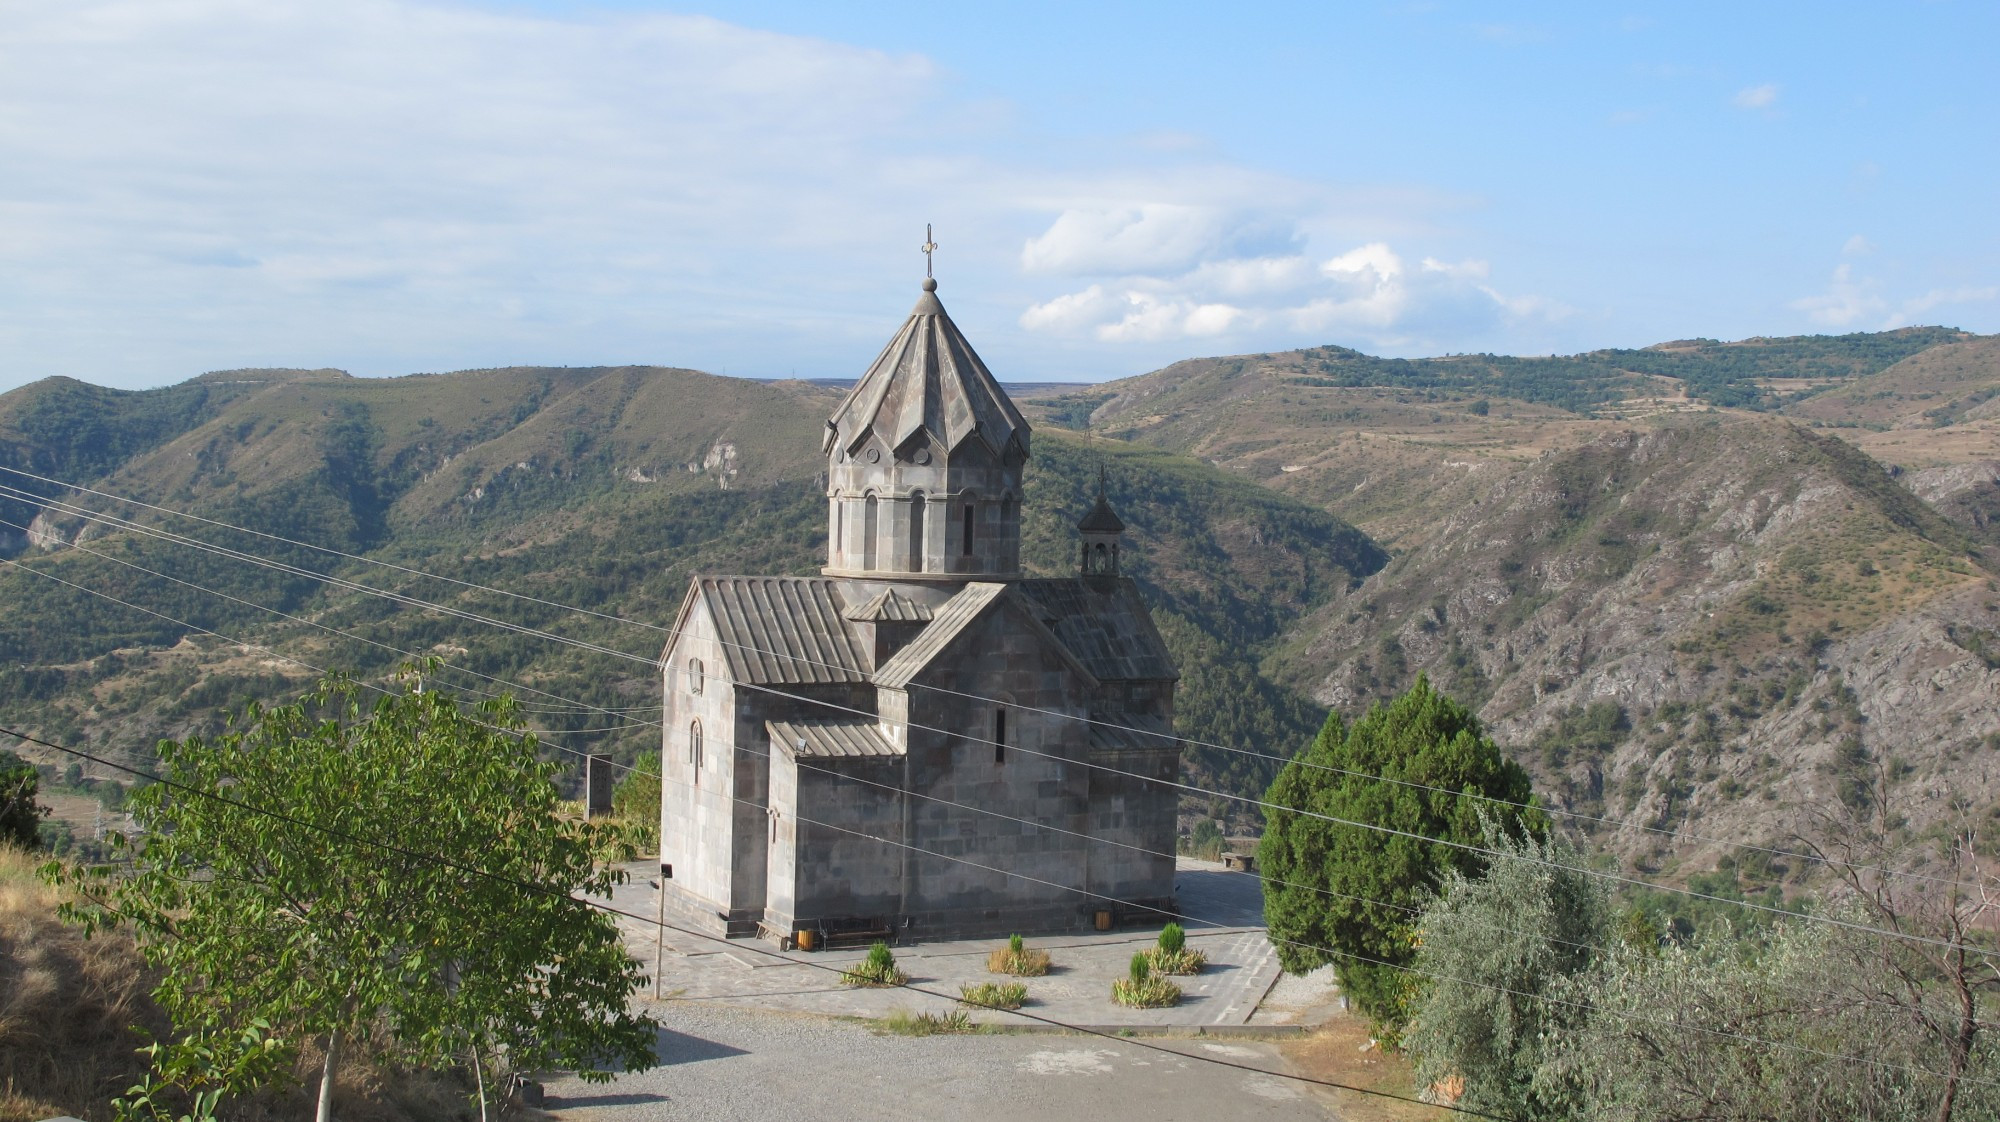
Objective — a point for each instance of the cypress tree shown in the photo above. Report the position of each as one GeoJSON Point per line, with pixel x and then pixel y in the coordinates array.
{"type": "Point", "coordinates": [1338, 891]}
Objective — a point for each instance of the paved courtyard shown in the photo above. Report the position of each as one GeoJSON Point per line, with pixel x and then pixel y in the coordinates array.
{"type": "Point", "coordinates": [722, 1063]}
{"type": "Point", "coordinates": [1225, 922]}
{"type": "Point", "coordinates": [751, 1032]}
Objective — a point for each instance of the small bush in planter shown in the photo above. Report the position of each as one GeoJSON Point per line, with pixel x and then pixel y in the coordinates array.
{"type": "Point", "coordinates": [1172, 955]}
{"type": "Point", "coordinates": [994, 995]}
{"type": "Point", "coordinates": [878, 969]}
{"type": "Point", "coordinates": [1143, 989]}
{"type": "Point", "coordinates": [1019, 959]}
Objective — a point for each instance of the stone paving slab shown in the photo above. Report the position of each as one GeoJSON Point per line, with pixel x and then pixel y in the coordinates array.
{"type": "Point", "coordinates": [1242, 968]}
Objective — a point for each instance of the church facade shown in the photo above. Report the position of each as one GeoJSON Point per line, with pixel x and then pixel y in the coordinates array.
{"type": "Point", "coordinates": [921, 739]}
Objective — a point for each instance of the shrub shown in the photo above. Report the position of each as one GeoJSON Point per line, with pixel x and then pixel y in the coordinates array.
{"type": "Point", "coordinates": [1142, 989]}
{"type": "Point", "coordinates": [994, 995]}
{"type": "Point", "coordinates": [1172, 956]}
{"type": "Point", "coordinates": [878, 969]}
{"type": "Point", "coordinates": [1019, 959]}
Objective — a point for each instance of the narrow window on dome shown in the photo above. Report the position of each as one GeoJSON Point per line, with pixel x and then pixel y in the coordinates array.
{"type": "Point", "coordinates": [965, 539]}
{"type": "Point", "coordinates": [999, 736]}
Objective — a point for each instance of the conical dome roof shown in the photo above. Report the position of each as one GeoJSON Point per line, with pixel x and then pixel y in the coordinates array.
{"type": "Point", "coordinates": [928, 377]}
{"type": "Point", "coordinates": [1101, 519]}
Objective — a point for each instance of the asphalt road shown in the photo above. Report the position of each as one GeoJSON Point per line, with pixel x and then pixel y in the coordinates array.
{"type": "Point", "coordinates": [725, 1064]}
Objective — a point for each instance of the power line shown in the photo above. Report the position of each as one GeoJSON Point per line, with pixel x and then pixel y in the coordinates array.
{"type": "Point", "coordinates": [909, 793]}
{"type": "Point", "coordinates": [1193, 789]}
{"type": "Point", "coordinates": [610, 909]}
{"type": "Point", "coordinates": [1741, 1037]}
{"type": "Point", "coordinates": [286, 615]}
{"type": "Point", "coordinates": [1799, 855]}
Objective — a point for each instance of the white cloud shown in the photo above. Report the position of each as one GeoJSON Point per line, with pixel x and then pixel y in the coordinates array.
{"type": "Point", "coordinates": [1855, 301]}
{"type": "Point", "coordinates": [1367, 294]}
{"type": "Point", "coordinates": [398, 185]}
{"type": "Point", "coordinates": [1942, 298]}
{"type": "Point", "coordinates": [1847, 300]}
{"type": "Point", "coordinates": [1756, 97]}
{"type": "Point", "coordinates": [1148, 237]}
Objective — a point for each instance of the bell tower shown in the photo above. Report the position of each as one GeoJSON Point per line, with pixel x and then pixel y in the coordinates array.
{"type": "Point", "coordinates": [1102, 532]}
{"type": "Point", "coordinates": [923, 462]}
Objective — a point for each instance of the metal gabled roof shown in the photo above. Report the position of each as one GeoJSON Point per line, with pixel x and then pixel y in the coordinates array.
{"type": "Point", "coordinates": [957, 614]}
{"type": "Point", "coordinates": [831, 740]}
{"type": "Point", "coordinates": [890, 606]}
{"type": "Point", "coordinates": [781, 629]}
{"type": "Point", "coordinates": [1105, 627]}
{"type": "Point", "coordinates": [928, 377]}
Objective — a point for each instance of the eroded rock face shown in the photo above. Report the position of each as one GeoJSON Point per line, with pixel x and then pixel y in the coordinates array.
{"type": "Point", "coordinates": [1968, 494]}
{"type": "Point", "coordinates": [1769, 613]}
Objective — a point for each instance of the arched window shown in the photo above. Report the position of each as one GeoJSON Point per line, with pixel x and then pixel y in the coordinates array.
{"type": "Point", "coordinates": [870, 527]}
{"type": "Point", "coordinates": [840, 524]}
{"type": "Point", "coordinates": [917, 507]}
{"type": "Point", "coordinates": [965, 539]}
{"type": "Point", "coordinates": [694, 749]}
{"type": "Point", "coordinates": [695, 676]}
{"type": "Point", "coordinates": [999, 736]}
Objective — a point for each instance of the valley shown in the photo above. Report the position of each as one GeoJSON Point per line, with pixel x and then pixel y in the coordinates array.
{"type": "Point", "coordinates": [1707, 593]}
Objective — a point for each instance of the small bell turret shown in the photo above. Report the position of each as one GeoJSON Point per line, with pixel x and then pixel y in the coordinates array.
{"type": "Point", "coordinates": [1102, 532]}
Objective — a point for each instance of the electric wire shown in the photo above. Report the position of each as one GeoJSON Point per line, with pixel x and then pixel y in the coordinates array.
{"type": "Point", "coordinates": [909, 793]}
{"type": "Point", "coordinates": [1192, 789]}
{"type": "Point", "coordinates": [1547, 999]}
{"type": "Point", "coordinates": [650, 921]}
{"type": "Point", "coordinates": [310, 623]}
{"type": "Point", "coordinates": [1811, 858]}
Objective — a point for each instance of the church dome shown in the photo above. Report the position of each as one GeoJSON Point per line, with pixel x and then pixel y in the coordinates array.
{"type": "Point", "coordinates": [928, 378]}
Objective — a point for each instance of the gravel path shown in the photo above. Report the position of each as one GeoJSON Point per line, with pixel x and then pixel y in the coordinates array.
{"type": "Point", "coordinates": [725, 1064]}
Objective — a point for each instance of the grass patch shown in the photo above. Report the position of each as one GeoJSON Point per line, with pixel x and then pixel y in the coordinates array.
{"type": "Point", "coordinates": [1019, 959]}
{"type": "Point", "coordinates": [878, 969]}
{"type": "Point", "coordinates": [994, 995]}
{"type": "Point", "coordinates": [1182, 962]}
{"type": "Point", "coordinates": [902, 1022]}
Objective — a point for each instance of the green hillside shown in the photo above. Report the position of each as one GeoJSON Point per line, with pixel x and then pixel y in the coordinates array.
{"type": "Point", "coordinates": [1758, 374]}
{"type": "Point", "coordinates": [596, 488]}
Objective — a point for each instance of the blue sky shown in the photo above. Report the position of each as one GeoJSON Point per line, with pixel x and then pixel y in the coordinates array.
{"type": "Point", "coordinates": [392, 186]}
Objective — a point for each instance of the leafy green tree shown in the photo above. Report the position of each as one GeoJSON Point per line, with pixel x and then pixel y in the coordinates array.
{"type": "Point", "coordinates": [635, 801]}
{"type": "Point", "coordinates": [20, 815]}
{"type": "Point", "coordinates": [1488, 949]}
{"type": "Point", "coordinates": [1346, 849]}
{"type": "Point", "coordinates": [396, 872]}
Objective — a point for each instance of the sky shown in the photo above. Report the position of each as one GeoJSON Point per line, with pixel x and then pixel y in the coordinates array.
{"type": "Point", "coordinates": [401, 186]}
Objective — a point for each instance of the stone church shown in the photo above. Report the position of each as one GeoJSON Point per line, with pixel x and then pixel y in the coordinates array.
{"type": "Point", "coordinates": [920, 740]}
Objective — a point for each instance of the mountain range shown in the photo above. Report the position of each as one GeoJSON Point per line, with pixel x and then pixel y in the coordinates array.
{"type": "Point", "coordinates": [1705, 591]}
